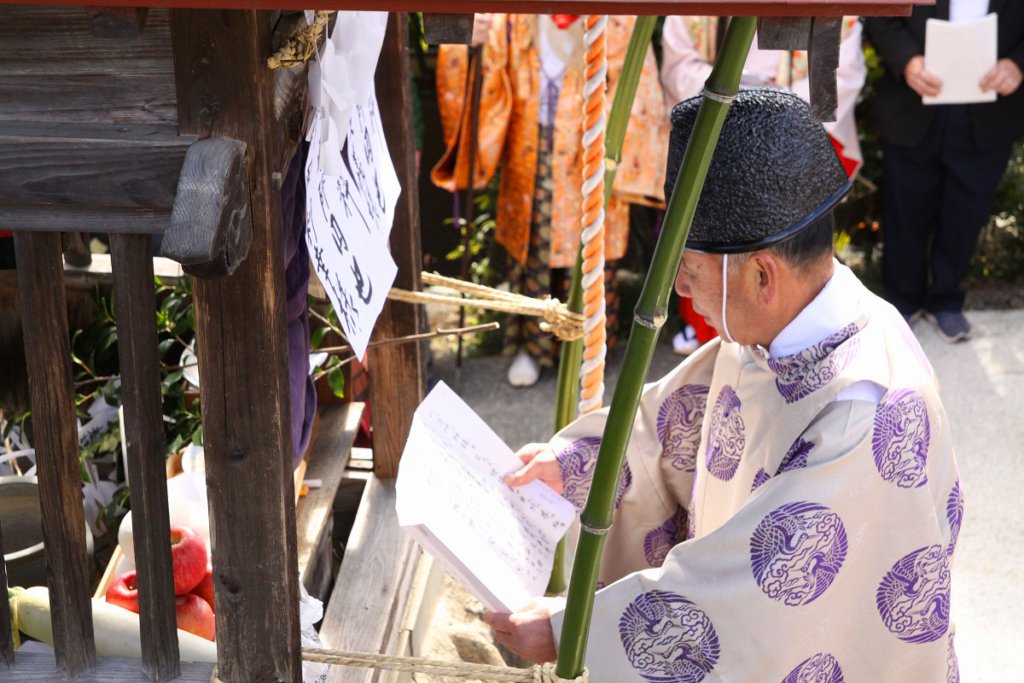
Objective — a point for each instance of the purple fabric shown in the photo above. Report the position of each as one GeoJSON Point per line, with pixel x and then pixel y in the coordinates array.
{"type": "Point", "coordinates": [296, 278]}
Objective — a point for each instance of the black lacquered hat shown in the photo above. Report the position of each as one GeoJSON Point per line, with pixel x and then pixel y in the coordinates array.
{"type": "Point", "coordinates": [773, 173]}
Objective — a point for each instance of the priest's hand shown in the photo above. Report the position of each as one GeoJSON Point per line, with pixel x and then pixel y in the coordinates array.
{"type": "Point", "coordinates": [528, 632]}
{"type": "Point", "coordinates": [923, 82]}
{"type": "Point", "coordinates": [540, 463]}
{"type": "Point", "coordinates": [1005, 77]}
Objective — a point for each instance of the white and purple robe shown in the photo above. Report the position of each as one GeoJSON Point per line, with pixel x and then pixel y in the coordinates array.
{"type": "Point", "coordinates": [785, 514]}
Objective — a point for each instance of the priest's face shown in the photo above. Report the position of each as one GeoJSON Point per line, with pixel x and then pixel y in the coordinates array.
{"type": "Point", "coordinates": [700, 279]}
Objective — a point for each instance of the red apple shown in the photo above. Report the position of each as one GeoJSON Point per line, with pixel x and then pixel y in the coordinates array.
{"type": "Point", "coordinates": [205, 588]}
{"type": "Point", "coordinates": [188, 553]}
{"type": "Point", "coordinates": [195, 616]}
{"type": "Point", "coordinates": [124, 593]}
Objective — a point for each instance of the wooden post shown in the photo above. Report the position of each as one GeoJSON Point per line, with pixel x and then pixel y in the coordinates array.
{"type": "Point", "coordinates": [225, 88]}
{"type": "Point", "coordinates": [822, 62]}
{"type": "Point", "coordinates": [132, 262]}
{"type": "Point", "coordinates": [6, 636]}
{"type": "Point", "coordinates": [55, 437]}
{"type": "Point", "coordinates": [397, 376]}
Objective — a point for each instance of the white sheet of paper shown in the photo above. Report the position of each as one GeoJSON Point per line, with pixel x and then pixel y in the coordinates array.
{"type": "Point", "coordinates": [348, 247]}
{"type": "Point", "coordinates": [498, 541]}
{"type": "Point", "coordinates": [960, 55]}
{"type": "Point", "coordinates": [341, 77]}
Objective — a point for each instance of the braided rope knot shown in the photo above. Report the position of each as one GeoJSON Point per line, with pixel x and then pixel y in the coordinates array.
{"type": "Point", "coordinates": [560, 321]}
{"type": "Point", "coordinates": [538, 673]}
{"type": "Point", "coordinates": [300, 46]}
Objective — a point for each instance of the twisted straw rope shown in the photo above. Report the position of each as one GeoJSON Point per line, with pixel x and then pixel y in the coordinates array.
{"type": "Point", "coordinates": [300, 46]}
{"type": "Point", "coordinates": [594, 124]}
{"type": "Point", "coordinates": [539, 673]}
{"type": "Point", "coordinates": [558, 319]}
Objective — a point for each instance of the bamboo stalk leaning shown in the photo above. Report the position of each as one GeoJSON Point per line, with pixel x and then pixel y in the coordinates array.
{"type": "Point", "coordinates": [570, 354]}
{"type": "Point", "coordinates": [720, 88]}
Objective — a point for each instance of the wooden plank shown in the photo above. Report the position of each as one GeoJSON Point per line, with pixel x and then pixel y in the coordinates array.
{"type": "Point", "coordinates": [364, 605]}
{"type": "Point", "coordinates": [784, 33]}
{"type": "Point", "coordinates": [820, 8]}
{"type": "Point", "coordinates": [822, 62]}
{"type": "Point", "coordinates": [55, 438]}
{"type": "Point", "coordinates": [397, 371]}
{"type": "Point", "coordinates": [439, 29]}
{"type": "Point", "coordinates": [123, 23]}
{"type": "Point", "coordinates": [85, 98]}
{"type": "Point", "coordinates": [36, 218]}
{"type": "Point", "coordinates": [6, 636]}
{"type": "Point", "coordinates": [51, 41]}
{"type": "Point", "coordinates": [40, 668]}
{"type": "Point", "coordinates": [327, 463]}
{"type": "Point", "coordinates": [116, 167]}
{"type": "Point", "coordinates": [224, 88]}
{"type": "Point", "coordinates": [143, 436]}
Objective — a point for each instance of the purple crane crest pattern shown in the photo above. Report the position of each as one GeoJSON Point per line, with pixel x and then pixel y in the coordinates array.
{"type": "Point", "coordinates": [821, 668]}
{"type": "Point", "coordinates": [913, 597]}
{"type": "Point", "coordinates": [796, 456]}
{"type": "Point", "coordinates": [576, 463]}
{"type": "Point", "coordinates": [660, 540]}
{"type": "Point", "coordinates": [952, 662]}
{"type": "Point", "coordinates": [955, 515]}
{"type": "Point", "coordinates": [797, 551]}
{"type": "Point", "coordinates": [760, 478]}
{"type": "Point", "coordinates": [802, 373]}
{"type": "Point", "coordinates": [901, 438]}
{"type": "Point", "coordinates": [679, 421]}
{"type": "Point", "coordinates": [726, 438]}
{"type": "Point", "coordinates": [668, 639]}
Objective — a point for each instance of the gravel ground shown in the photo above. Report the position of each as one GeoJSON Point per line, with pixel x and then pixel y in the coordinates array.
{"type": "Point", "coordinates": [980, 385]}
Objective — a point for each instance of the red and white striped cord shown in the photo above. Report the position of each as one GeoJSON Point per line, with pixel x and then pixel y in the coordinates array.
{"type": "Point", "coordinates": [595, 93]}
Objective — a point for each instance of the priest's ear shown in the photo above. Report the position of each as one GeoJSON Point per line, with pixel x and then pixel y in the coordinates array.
{"type": "Point", "coordinates": [767, 270]}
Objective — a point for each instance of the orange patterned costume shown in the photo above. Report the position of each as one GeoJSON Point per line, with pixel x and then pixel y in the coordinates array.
{"type": "Point", "coordinates": [509, 131]}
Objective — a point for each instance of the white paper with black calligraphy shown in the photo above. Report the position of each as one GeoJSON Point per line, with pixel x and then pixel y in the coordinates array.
{"type": "Point", "coordinates": [499, 542]}
{"type": "Point", "coordinates": [348, 221]}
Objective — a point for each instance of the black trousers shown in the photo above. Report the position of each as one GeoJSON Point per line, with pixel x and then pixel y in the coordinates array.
{"type": "Point", "coordinates": [936, 201]}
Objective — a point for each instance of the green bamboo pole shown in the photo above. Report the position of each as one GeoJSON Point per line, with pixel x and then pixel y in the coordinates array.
{"type": "Point", "coordinates": [570, 355]}
{"type": "Point", "coordinates": [650, 314]}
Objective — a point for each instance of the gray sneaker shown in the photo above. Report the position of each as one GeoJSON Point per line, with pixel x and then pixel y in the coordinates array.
{"type": "Point", "coordinates": [952, 326]}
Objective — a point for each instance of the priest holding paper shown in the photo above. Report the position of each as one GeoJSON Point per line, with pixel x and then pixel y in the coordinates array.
{"type": "Point", "coordinates": [949, 107]}
{"type": "Point", "coordinates": [790, 502]}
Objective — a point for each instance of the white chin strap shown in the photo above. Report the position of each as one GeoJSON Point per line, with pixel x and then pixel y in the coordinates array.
{"type": "Point", "coordinates": [725, 297]}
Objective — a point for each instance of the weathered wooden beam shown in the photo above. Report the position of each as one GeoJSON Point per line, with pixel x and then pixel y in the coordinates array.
{"type": "Point", "coordinates": [48, 48]}
{"type": "Point", "coordinates": [225, 89]}
{"type": "Point", "coordinates": [211, 227]}
{"type": "Point", "coordinates": [784, 33]}
{"type": "Point", "coordinates": [123, 23]}
{"type": "Point", "coordinates": [822, 62]}
{"type": "Point", "coordinates": [55, 438]}
{"type": "Point", "coordinates": [365, 605]}
{"type": "Point", "coordinates": [6, 636]}
{"type": "Point", "coordinates": [132, 262]}
{"type": "Point", "coordinates": [45, 217]}
{"type": "Point", "coordinates": [439, 29]}
{"type": "Point", "coordinates": [291, 93]}
{"type": "Point", "coordinates": [84, 165]}
{"type": "Point", "coordinates": [397, 373]}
